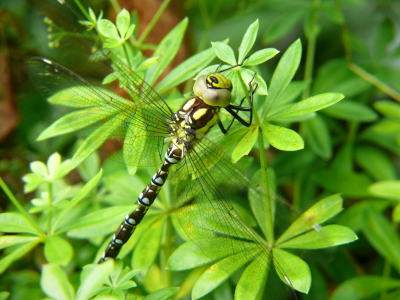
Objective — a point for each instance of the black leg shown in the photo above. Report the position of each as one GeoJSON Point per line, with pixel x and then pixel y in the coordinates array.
{"type": "Point", "coordinates": [231, 109]}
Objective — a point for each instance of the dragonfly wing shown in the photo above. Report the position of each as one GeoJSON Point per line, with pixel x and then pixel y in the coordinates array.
{"type": "Point", "coordinates": [142, 127]}
{"type": "Point", "coordinates": [205, 184]}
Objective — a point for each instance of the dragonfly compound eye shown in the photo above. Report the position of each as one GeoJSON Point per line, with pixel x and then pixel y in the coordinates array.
{"type": "Point", "coordinates": [215, 89]}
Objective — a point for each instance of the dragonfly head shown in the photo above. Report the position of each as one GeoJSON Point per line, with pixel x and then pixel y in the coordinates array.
{"type": "Point", "coordinates": [214, 89]}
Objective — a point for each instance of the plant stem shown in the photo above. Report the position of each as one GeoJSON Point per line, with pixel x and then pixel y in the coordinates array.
{"type": "Point", "coordinates": [50, 198]}
{"type": "Point", "coordinates": [153, 22]}
{"type": "Point", "coordinates": [355, 68]}
{"type": "Point", "coordinates": [128, 60]}
{"type": "Point", "coordinates": [265, 182]}
{"type": "Point", "coordinates": [19, 207]}
{"type": "Point", "coordinates": [374, 81]}
{"type": "Point", "coordinates": [82, 9]}
{"type": "Point", "coordinates": [166, 252]}
{"type": "Point", "coordinates": [115, 5]}
{"type": "Point", "coordinates": [309, 66]}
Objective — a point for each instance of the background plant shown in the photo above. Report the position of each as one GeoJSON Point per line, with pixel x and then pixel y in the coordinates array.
{"type": "Point", "coordinates": [350, 147]}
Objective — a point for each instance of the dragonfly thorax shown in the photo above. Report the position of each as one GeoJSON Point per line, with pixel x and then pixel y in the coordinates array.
{"type": "Point", "coordinates": [195, 116]}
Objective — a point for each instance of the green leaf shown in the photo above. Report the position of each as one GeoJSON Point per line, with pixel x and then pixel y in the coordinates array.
{"type": "Point", "coordinates": [248, 288]}
{"type": "Point", "coordinates": [166, 51]}
{"type": "Point", "coordinates": [98, 223]}
{"type": "Point", "coordinates": [283, 23]}
{"type": "Point", "coordinates": [328, 236]}
{"type": "Point", "coordinates": [351, 111]}
{"type": "Point", "coordinates": [17, 254]}
{"type": "Point", "coordinates": [282, 76]}
{"type": "Point", "coordinates": [162, 294]}
{"type": "Point", "coordinates": [248, 40]}
{"type": "Point", "coordinates": [108, 29]}
{"type": "Point", "coordinates": [386, 126]}
{"type": "Point", "coordinates": [189, 255]}
{"type": "Point", "coordinates": [123, 22]}
{"type": "Point", "coordinates": [245, 144]}
{"type": "Point", "coordinates": [39, 168]}
{"type": "Point", "coordinates": [83, 192]}
{"type": "Point", "coordinates": [375, 162]}
{"type": "Point", "coordinates": [382, 236]}
{"type": "Point", "coordinates": [74, 121]}
{"type": "Point", "coordinates": [388, 189]}
{"type": "Point", "coordinates": [147, 63]}
{"type": "Point", "coordinates": [294, 268]}
{"type": "Point", "coordinates": [219, 273]}
{"type": "Point", "coordinates": [94, 279]}
{"type": "Point", "coordinates": [292, 91]}
{"type": "Point", "coordinates": [307, 106]}
{"type": "Point", "coordinates": [13, 222]}
{"type": "Point", "coordinates": [96, 139]}
{"type": "Point", "coordinates": [186, 70]}
{"type": "Point", "coordinates": [282, 138]}
{"type": "Point", "coordinates": [335, 76]}
{"type": "Point", "coordinates": [396, 213]}
{"type": "Point", "coordinates": [4, 295]}
{"type": "Point", "coordinates": [318, 137]}
{"type": "Point", "coordinates": [148, 248]}
{"type": "Point", "coordinates": [260, 57]}
{"type": "Point", "coordinates": [388, 108]}
{"type": "Point", "coordinates": [55, 283]}
{"type": "Point", "coordinates": [318, 213]}
{"type": "Point", "coordinates": [81, 97]}
{"type": "Point", "coordinates": [58, 251]}
{"type": "Point", "coordinates": [342, 181]}
{"type": "Point", "coordinates": [10, 240]}
{"type": "Point", "coordinates": [364, 287]}
{"type": "Point", "coordinates": [32, 182]}
{"type": "Point", "coordinates": [224, 52]}
{"type": "Point", "coordinates": [53, 163]}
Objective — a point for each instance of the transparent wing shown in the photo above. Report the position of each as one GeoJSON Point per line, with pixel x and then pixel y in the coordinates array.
{"type": "Point", "coordinates": [142, 126]}
{"type": "Point", "coordinates": [205, 184]}
{"type": "Point", "coordinates": [127, 110]}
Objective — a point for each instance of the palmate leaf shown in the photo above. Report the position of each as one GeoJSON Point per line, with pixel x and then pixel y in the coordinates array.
{"type": "Point", "coordinates": [224, 53]}
{"type": "Point", "coordinates": [13, 222]}
{"type": "Point", "coordinates": [147, 250]}
{"type": "Point", "coordinates": [55, 283]}
{"type": "Point", "coordinates": [315, 215]}
{"type": "Point", "coordinates": [364, 286]}
{"type": "Point", "coordinates": [248, 40]}
{"type": "Point", "coordinates": [162, 294]}
{"type": "Point", "coordinates": [282, 138]}
{"type": "Point", "coordinates": [186, 70]}
{"type": "Point", "coordinates": [166, 51]}
{"type": "Point", "coordinates": [93, 279]}
{"type": "Point", "coordinates": [282, 76]}
{"type": "Point", "coordinates": [18, 252]}
{"type": "Point", "coordinates": [58, 251]}
{"type": "Point", "coordinates": [219, 273]}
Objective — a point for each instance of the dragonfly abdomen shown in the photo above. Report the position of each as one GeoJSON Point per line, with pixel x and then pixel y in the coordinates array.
{"type": "Point", "coordinates": [146, 198]}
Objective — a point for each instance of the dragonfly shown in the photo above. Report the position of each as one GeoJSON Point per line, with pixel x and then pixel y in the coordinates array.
{"type": "Point", "coordinates": [204, 176]}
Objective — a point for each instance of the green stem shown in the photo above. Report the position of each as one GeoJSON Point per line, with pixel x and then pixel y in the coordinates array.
{"type": "Point", "coordinates": [374, 81]}
{"type": "Point", "coordinates": [82, 9]}
{"type": "Point", "coordinates": [153, 22]}
{"type": "Point", "coordinates": [115, 5]}
{"type": "Point", "coordinates": [20, 208]}
{"type": "Point", "coordinates": [49, 215]}
{"type": "Point", "coordinates": [355, 68]}
{"type": "Point", "coordinates": [309, 66]}
{"type": "Point", "coordinates": [166, 252]}
{"type": "Point", "coordinates": [128, 60]}
{"type": "Point", "coordinates": [269, 199]}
